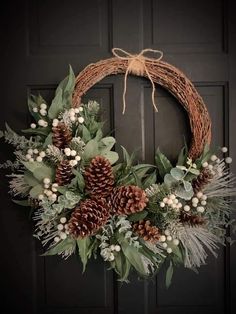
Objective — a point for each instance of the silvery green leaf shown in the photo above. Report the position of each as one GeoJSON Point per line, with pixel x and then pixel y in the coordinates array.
{"type": "Point", "coordinates": [180, 192]}
{"type": "Point", "coordinates": [91, 150]}
{"type": "Point", "coordinates": [107, 143]}
{"type": "Point", "coordinates": [177, 173]}
{"type": "Point", "coordinates": [194, 171]}
{"type": "Point", "coordinates": [187, 186]}
{"type": "Point", "coordinates": [30, 179]}
{"type": "Point", "coordinates": [61, 247]}
{"type": "Point", "coordinates": [57, 104]}
{"type": "Point", "coordinates": [181, 167]}
{"type": "Point", "coordinates": [83, 245]}
{"type": "Point", "coordinates": [169, 180]}
{"type": "Point", "coordinates": [36, 190]}
{"type": "Point", "coordinates": [86, 136]}
{"type": "Point", "coordinates": [111, 156]}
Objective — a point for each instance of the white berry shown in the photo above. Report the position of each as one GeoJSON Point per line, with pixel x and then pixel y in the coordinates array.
{"type": "Point", "coordinates": [60, 227]}
{"type": "Point", "coordinates": [41, 122]}
{"type": "Point", "coordinates": [167, 232]}
{"type": "Point", "coordinates": [31, 159]}
{"type": "Point", "coordinates": [195, 200]}
{"type": "Point", "coordinates": [43, 106]}
{"type": "Point", "coordinates": [30, 151]}
{"type": "Point", "coordinates": [199, 194]}
{"type": "Point", "coordinates": [63, 235]}
{"type": "Point", "coordinates": [162, 238]}
{"type": "Point", "coordinates": [33, 126]}
{"type": "Point", "coordinates": [81, 119]}
{"type": "Point", "coordinates": [172, 196]}
{"type": "Point", "coordinates": [162, 204]}
{"type": "Point", "coordinates": [81, 109]}
{"type": "Point", "coordinates": [200, 209]}
{"type": "Point", "coordinates": [67, 151]}
{"type": "Point", "coordinates": [43, 112]}
{"type": "Point", "coordinates": [63, 220]}
{"type": "Point", "coordinates": [55, 122]}
{"type": "Point", "coordinates": [224, 149]}
{"type": "Point", "coordinates": [27, 156]}
{"type": "Point", "coordinates": [117, 248]}
{"type": "Point", "coordinates": [169, 238]}
{"type": "Point", "coordinates": [228, 160]}
{"type": "Point", "coordinates": [111, 257]}
{"type": "Point", "coordinates": [164, 245]}
{"type": "Point", "coordinates": [39, 159]}
{"type": "Point", "coordinates": [40, 197]}
{"type": "Point", "coordinates": [213, 158]}
{"type": "Point", "coordinates": [210, 167]}
{"type": "Point", "coordinates": [204, 197]}
{"type": "Point", "coordinates": [187, 208]}
{"type": "Point", "coordinates": [169, 202]}
{"type": "Point", "coordinates": [56, 239]}
{"type": "Point", "coordinates": [46, 180]}
{"type": "Point", "coordinates": [176, 242]}
{"type": "Point", "coordinates": [73, 153]}
{"type": "Point", "coordinates": [72, 118]}
{"type": "Point", "coordinates": [35, 109]}
{"type": "Point", "coordinates": [76, 110]}
{"type": "Point", "coordinates": [203, 203]}
{"type": "Point", "coordinates": [78, 158]}
{"type": "Point", "coordinates": [165, 199]}
{"type": "Point", "coordinates": [35, 151]}
{"type": "Point", "coordinates": [169, 250]}
{"type": "Point", "coordinates": [205, 164]}
{"type": "Point", "coordinates": [42, 154]}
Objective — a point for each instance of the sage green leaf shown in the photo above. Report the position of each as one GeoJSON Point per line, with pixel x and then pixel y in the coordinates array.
{"type": "Point", "coordinates": [169, 275]}
{"type": "Point", "coordinates": [83, 245]}
{"type": "Point", "coordinates": [163, 164]}
{"type": "Point", "coordinates": [194, 171]}
{"type": "Point", "coordinates": [86, 136]}
{"type": "Point", "coordinates": [57, 104]}
{"type": "Point", "coordinates": [48, 140]}
{"type": "Point", "coordinates": [22, 202]}
{"type": "Point", "coordinates": [182, 156]}
{"type": "Point", "coordinates": [137, 216]}
{"type": "Point", "coordinates": [177, 173]}
{"type": "Point", "coordinates": [111, 156]}
{"type": "Point", "coordinates": [38, 131]}
{"type": "Point", "coordinates": [36, 190]}
{"type": "Point", "coordinates": [67, 244]}
{"type": "Point", "coordinates": [31, 166]}
{"type": "Point", "coordinates": [91, 150]}
{"type": "Point", "coordinates": [43, 171]}
{"type": "Point", "coordinates": [134, 257]}
{"type": "Point", "coordinates": [151, 179]}
{"type": "Point", "coordinates": [106, 144]}
{"type": "Point", "coordinates": [99, 135]}
{"type": "Point", "coordinates": [67, 86]}
{"type": "Point", "coordinates": [33, 103]}
{"type": "Point", "coordinates": [127, 158]}
{"type": "Point", "coordinates": [80, 181]}
{"type": "Point", "coordinates": [30, 179]}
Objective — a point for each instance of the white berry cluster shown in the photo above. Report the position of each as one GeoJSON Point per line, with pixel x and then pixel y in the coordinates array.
{"type": "Point", "coordinates": [172, 202]}
{"type": "Point", "coordinates": [43, 112]}
{"type": "Point", "coordinates": [50, 190]}
{"type": "Point", "coordinates": [198, 202]}
{"type": "Point", "coordinates": [35, 155]}
{"type": "Point", "coordinates": [62, 228]}
{"type": "Point", "coordinates": [214, 161]}
{"type": "Point", "coordinates": [72, 153]}
{"type": "Point", "coordinates": [168, 240]}
{"type": "Point", "coordinates": [73, 115]}
{"type": "Point", "coordinates": [108, 252]}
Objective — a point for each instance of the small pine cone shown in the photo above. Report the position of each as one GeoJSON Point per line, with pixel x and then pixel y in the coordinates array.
{"type": "Point", "coordinates": [146, 231]}
{"type": "Point", "coordinates": [191, 219]}
{"type": "Point", "coordinates": [202, 179]}
{"type": "Point", "coordinates": [99, 179]}
{"type": "Point", "coordinates": [61, 136]}
{"type": "Point", "coordinates": [63, 173]}
{"type": "Point", "coordinates": [88, 218]}
{"type": "Point", "coordinates": [129, 199]}
{"type": "Point", "coordinates": [34, 203]}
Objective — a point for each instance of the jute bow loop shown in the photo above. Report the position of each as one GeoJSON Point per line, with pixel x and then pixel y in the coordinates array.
{"type": "Point", "coordinates": [137, 66]}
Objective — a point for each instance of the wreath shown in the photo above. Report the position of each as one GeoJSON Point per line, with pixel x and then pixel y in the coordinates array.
{"type": "Point", "coordinates": [85, 199]}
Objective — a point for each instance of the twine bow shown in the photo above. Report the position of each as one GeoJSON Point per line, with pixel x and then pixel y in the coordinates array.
{"type": "Point", "coordinates": [137, 66]}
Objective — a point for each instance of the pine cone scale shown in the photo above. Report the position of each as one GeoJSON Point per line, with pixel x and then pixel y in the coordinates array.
{"type": "Point", "coordinates": [147, 231]}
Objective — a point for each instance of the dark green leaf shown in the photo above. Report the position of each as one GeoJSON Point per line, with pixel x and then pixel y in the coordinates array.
{"type": "Point", "coordinates": [57, 104]}
{"type": "Point", "coordinates": [182, 156]}
{"type": "Point", "coordinates": [86, 136]}
{"type": "Point", "coordinates": [151, 179]}
{"type": "Point", "coordinates": [169, 275]}
{"type": "Point", "coordinates": [22, 202]}
{"type": "Point", "coordinates": [38, 131]}
{"type": "Point", "coordinates": [163, 164]}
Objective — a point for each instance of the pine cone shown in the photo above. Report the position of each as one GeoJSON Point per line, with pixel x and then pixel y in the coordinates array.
{"type": "Point", "coordinates": [191, 219]}
{"type": "Point", "coordinates": [202, 179]}
{"type": "Point", "coordinates": [34, 203]}
{"type": "Point", "coordinates": [61, 136]}
{"type": "Point", "coordinates": [129, 199]}
{"type": "Point", "coordinates": [146, 231]}
{"type": "Point", "coordinates": [88, 217]}
{"type": "Point", "coordinates": [63, 173]}
{"type": "Point", "coordinates": [99, 179]}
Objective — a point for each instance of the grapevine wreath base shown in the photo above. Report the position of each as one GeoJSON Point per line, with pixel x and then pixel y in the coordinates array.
{"type": "Point", "coordinates": [136, 216]}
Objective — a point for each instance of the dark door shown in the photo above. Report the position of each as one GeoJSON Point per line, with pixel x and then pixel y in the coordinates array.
{"type": "Point", "coordinates": [38, 41]}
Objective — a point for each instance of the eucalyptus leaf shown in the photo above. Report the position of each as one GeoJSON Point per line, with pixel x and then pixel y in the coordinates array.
{"type": "Point", "coordinates": [111, 156]}
{"type": "Point", "coordinates": [91, 150]}
{"type": "Point", "coordinates": [163, 164]}
{"type": "Point", "coordinates": [182, 193]}
{"type": "Point", "coordinates": [36, 190]}
{"type": "Point", "coordinates": [30, 179]}
{"type": "Point", "coordinates": [177, 173]}
{"type": "Point", "coordinates": [43, 171]}
{"type": "Point", "coordinates": [187, 186]}
{"type": "Point", "coordinates": [169, 180]}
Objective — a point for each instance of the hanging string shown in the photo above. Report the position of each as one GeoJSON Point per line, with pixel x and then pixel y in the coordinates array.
{"type": "Point", "coordinates": [137, 66]}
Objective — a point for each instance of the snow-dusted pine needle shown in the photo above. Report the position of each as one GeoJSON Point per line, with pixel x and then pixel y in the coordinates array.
{"type": "Point", "coordinates": [153, 190]}
{"type": "Point", "coordinates": [195, 242]}
{"type": "Point", "coordinates": [54, 153]}
{"type": "Point", "coordinates": [223, 182]}
{"type": "Point", "coordinates": [17, 185]}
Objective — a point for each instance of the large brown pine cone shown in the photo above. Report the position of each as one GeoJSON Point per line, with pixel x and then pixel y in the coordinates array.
{"type": "Point", "coordinates": [202, 180]}
{"type": "Point", "coordinates": [61, 135]}
{"type": "Point", "coordinates": [128, 199]}
{"type": "Point", "coordinates": [88, 217]}
{"type": "Point", "coordinates": [146, 230]}
{"type": "Point", "coordinates": [191, 219]}
{"type": "Point", "coordinates": [63, 173]}
{"type": "Point", "coordinates": [99, 179]}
